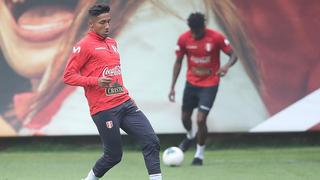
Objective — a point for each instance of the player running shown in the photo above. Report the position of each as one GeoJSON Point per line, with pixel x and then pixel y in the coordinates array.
{"type": "Point", "coordinates": [202, 47]}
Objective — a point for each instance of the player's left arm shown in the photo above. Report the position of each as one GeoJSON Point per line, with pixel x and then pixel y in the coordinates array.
{"type": "Point", "coordinates": [227, 49]}
{"type": "Point", "coordinates": [72, 76]}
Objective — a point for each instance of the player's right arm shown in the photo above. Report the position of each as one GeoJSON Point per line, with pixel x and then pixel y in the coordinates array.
{"type": "Point", "coordinates": [77, 60]}
{"type": "Point", "coordinates": [176, 72]}
{"type": "Point", "coordinates": [180, 52]}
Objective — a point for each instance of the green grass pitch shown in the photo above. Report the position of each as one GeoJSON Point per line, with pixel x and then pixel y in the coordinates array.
{"type": "Point", "coordinates": [294, 163]}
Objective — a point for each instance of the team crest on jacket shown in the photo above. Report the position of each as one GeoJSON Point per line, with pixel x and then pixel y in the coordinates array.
{"type": "Point", "coordinates": [109, 124]}
{"type": "Point", "coordinates": [208, 47]}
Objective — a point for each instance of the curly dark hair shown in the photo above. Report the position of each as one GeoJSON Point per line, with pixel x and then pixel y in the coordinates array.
{"type": "Point", "coordinates": [196, 20]}
{"type": "Point", "coordinates": [98, 9]}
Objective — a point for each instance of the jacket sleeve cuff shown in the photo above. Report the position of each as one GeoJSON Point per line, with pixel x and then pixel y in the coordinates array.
{"type": "Point", "coordinates": [93, 81]}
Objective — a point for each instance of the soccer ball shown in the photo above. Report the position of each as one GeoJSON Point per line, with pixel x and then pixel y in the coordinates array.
{"type": "Point", "coordinates": [172, 156]}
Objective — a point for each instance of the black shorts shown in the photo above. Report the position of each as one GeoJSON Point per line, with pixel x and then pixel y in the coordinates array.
{"type": "Point", "coordinates": [201, 97]}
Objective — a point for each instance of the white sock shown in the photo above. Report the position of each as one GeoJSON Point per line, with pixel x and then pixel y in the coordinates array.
{"type": "Point", "coordinates": [200, 151]}
{"type": "Point", "coordinates": [91, 176]}
{"type": "Point", "coordinates": [189, 134]}
{"type": "Point", "coordinates": [155, 176]}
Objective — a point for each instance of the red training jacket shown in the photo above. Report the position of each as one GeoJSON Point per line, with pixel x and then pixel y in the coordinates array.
{"type": "Point", "coordinates": [95, 56]}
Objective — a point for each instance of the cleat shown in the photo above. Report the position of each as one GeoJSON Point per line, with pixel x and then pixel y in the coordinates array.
{"type": "Point", "coordinates": [197, 162]}
{"type": "Point", "coordinates": [186, 143]}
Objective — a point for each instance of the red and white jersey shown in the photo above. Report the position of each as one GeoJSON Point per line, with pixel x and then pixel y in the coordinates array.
{"type": "Point", "coordinates": [203, 56]}
{"type": "Point", "coordinates": [94, 57]}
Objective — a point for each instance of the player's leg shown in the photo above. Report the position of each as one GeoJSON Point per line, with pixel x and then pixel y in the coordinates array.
{"type": "Point", "coordinates": [206, 100]}
{"type": "Point", "coordinates": [108, 125]}
{"type": "Point", "coordinates": [189, 102]}
{"type": "Point", "coordinates": [190, 137]}
{"type": "Point", "coordinates": [201, 138]}
{"type": "Point", "coordinates": [136, 124]}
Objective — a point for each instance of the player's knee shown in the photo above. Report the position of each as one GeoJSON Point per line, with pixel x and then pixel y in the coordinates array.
{"type": "Point", "coordinates": [152, 143]}
{"type": "Point", "coordinates": [106, 162]}
{"type": "Point", "coordinates": [202, 118]}
{"type": "Point", "coordinates": [155, 142]}
{"type": "Point", "coordinates": [186, 119]}
{"type": "Point", "coordinates": [116, 159]}
{"type": "Point", "coordinates": [201, 122]}
{"type": "Point", "coordinates": [113, 159]}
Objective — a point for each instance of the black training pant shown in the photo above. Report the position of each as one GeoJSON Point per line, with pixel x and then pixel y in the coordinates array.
{"type": "Point", "coordinates": [130, 119]}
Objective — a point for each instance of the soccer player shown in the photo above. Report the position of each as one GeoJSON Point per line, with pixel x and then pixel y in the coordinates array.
{"type": "Point", "coordinates": [202, 47]}
{"type": "Point", "coordinates": [95, 65]}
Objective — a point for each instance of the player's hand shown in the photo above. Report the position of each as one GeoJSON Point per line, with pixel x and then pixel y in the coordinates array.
{"type": "Point", "coordinates": [222, 71]}
{"type": "Point", "coordinates": [172, 96]}
{"type": "Point", "coordinates": [104, 81]}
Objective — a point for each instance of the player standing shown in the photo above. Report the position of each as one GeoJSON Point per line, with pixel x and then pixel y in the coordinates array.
{"type": "Point", "coordinates": [95, 65]}
{"type": "Point", "coordinates": [202, 47]}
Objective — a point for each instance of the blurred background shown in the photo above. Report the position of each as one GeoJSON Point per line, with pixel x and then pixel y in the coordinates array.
{"type": "Point", "coordinates": [266, 115]}
{"type": "Point", "coordinates": [273, 88]}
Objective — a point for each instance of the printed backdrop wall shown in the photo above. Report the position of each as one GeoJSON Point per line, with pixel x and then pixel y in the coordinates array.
{"type": "Point", "coordinates": [273, 88]}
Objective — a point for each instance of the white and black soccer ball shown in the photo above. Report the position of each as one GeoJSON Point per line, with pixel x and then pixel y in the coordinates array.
{"type": "Point", "coordinates": [172, 156]}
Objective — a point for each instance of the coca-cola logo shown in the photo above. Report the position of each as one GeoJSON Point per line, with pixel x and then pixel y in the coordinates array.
{"type": "Point", "coordinates": [115, 71]}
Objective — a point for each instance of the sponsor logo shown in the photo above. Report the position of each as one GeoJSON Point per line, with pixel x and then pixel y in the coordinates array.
{"type": "Point", "coordinates": [200, 71]}
{"type": "Point", "coordinates": [115, 88]}
{"type": "Point", "coordinates": [76, 49]}
{"type": "Point", "coordinates": [115, 71]}
{"type": "Point", "coordinates": [200, 60]}
{"type": "Point", "coordinates": [109, 124]}
{"type": "Point", "coordinates": [192, 47]}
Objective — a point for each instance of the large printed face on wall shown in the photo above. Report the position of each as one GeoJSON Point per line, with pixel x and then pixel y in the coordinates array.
{"type": "Point", "coordinates": [36, 38]}
{"type": "Point", "coordinates": [280, 46]}
{"type": "Point", "coordinates": [286, 41]}
{"type": "Point", "coordinates": [31, 32]}
{"type": "Point", "coordinates": [282, 38]}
